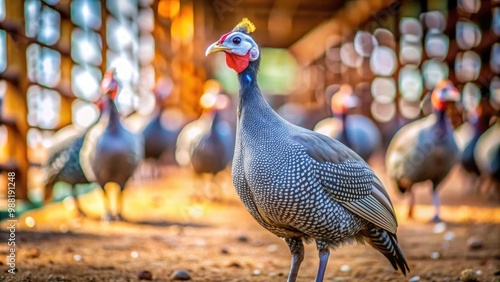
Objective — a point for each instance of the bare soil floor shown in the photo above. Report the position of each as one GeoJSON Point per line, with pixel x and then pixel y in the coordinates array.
{"type": "Point", "coordinates": [169, 229]}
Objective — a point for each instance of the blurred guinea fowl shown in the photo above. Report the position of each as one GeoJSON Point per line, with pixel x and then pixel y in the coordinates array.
{"type": "Point", "coordinates": [160, 134]}
{"type": "Point", "coordinates": [487, 156]}
{"type": "Point", "coordinates": [110, 152]}
{"type": "Point", "coordinates": [479, 120]}
{"type": "Point", "coordinates": [63, 164]}
{"type": "Point", "coordinates": [425, 149]}
{"type": "Point", "coordinates": [207, 144]}
{"type": "Point", "coordinates": [299, 184]}
{"type": "Point", "coordinates": [357, 132]}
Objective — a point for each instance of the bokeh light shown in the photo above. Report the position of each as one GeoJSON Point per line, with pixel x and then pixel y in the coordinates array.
{"type": "Point", "coordinates": [84, 114]}
{"type": "Point", "coordinates": [349, 56]}
{"type": "Point", "coordinates": [495, 92]}
{"type": "Point", "coordinates": [410, 83]}
{"type": "Point", "coordinates": [383, 61]}
{"type": "Point", "coordinates": [85, 82]}
{"type": "Point", "coordinates": [495, 21]}
{"type": "Point", "coordinates": [469, 6]}
{"type": "Point", "coordinates": [408, 109]}
{"type": "Point", "coordinates": [471, 95]}
{"type": "Point", "coordinates": [48, 32]}
{"type": "Point", "coordinates": [383, 89]}
{"type": "Point", "coordinates": [86, 13]}
{"type": "Point", "coordinates": [467, 66]}
{"type": "Point", "coordinates": [364, 43]}
{"type": "Point", "coordinates": [383, 112]}
{"type": "Point", "coordinates": [410, 50]}
{"type": "Point", "coordinates": [433, 71]}
{"type": "Point", "coordinates": [43, 107]}
{"type": "Point", "coordinates": [86, 47]}
{"type": "Point", "coordinates": [436, 45]}
{"type": "Point", "coordinates": [433, 21]}
{"type": "Point", "coordinates": [385, 38]}
{"type": "Point", "coordinates": [468, 35]}
{"type": "Point", "coordinates": [411, 27]}
{"type": "Point", "coordinates": [495, 58]}
{"type": "Point", "coordinates": [3, 50]}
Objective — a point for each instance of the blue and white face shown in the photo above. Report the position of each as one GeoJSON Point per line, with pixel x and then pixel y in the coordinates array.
{"type": "Point", "coordinates": [239, 47]}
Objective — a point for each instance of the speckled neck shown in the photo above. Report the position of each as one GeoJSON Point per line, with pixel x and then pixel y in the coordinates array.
{"type": "Point", "coordinates": [114, 124]}
{"type": "Point", "coordinates": [251, 102]}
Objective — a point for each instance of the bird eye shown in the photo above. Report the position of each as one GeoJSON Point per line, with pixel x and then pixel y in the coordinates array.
{"type": "Point", "coordinates": [236, 40]}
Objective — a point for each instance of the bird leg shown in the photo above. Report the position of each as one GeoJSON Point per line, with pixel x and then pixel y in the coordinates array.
{"type": "Point", "coordinates": [119, 205]}
{"type": "Point", "coordinates": [106, 216]}
{"type": "Point", "coordinates": [297, 250]}
{"type": "Point", "coordinates": [217, 191]}
{"type": "Point", "coordinates": [411, 204]}
{"type": "Point", "coordinates": [324, 253]}
{"type": "Point", "coordinates": [436, 203]}
{"type": "Point", "coordinates": [77, 203]}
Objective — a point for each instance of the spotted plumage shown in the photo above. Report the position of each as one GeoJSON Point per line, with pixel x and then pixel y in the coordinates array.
{"type": "Point", "coordinates": [425, 149]}
{"type": "Point", "coordinates": [302, 185]}
{"type": "Point", "coordinates": [64, 164]}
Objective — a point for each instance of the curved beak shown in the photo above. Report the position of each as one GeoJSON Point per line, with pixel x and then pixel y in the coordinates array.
{"type": "Point", "coordinates": [216, 47]}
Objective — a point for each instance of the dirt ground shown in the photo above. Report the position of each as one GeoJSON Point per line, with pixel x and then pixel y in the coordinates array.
{"type": "Point", "coordinates": [168, 230]}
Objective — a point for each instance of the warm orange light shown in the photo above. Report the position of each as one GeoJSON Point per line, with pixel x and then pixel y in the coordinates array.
{"type": "Point", "coordinates": [211, 86]}
{"type": "Point", "coordinates": [182, 27]}
{"type": "Point", "coordinates": [208, 100]}
{"type": "Point", "coordinates": [168, 8]}
{"type": "Point", "coordinates": [175, 6]}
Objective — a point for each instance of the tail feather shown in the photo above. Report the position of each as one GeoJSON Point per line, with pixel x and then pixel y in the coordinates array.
{"type": "Point", "coordinates": [387, 244]}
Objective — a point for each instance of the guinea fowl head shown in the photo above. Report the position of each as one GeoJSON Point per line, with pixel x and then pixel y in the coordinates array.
{"type": "Point", "coordinates": [109, 84]}
{"type": "Point", "coordinates": [239, 47]}
{"type": "Point", "coordinates": [443, 94]}
{"type": "Point", "coordinates": [344, 100]}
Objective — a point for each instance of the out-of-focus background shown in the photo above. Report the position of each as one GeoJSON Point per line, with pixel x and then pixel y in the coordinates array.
{"type": "Point", "coordinates": [388, 53]}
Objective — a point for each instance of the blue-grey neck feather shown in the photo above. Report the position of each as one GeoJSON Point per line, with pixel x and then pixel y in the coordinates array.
{"type": "Point", "coordinates": [114, 123]}
{"type": "Point", "coordinates": [250, 98]}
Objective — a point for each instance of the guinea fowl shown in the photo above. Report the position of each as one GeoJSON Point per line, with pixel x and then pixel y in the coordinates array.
{"type": "Point", "coordinates": [207, 144]}
{"type": "Point", "coordinates": [297, 183]}
{"type": "Point", "coordinates": [480, 122]}
{"type": "Point", "coordinates": [425, 149]}
{"type": "Point", "coordinates": [355, 131]}
{"type": "Point", "coordinates": [160, 134]}
{"type": "Point", "coordinates": [63, 164]}
{"type": "Point", "coordinates": [487, 156]}
{"type": "Point", "coordinates": [110, 152]}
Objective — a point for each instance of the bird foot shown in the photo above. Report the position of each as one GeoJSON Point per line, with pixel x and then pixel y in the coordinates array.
{"type": "Point", "coordinates": [436, 219]}
{"type": "Point", "coordinates": [118, 218]}
{"type": "Point", "coordinates": [107, 217]}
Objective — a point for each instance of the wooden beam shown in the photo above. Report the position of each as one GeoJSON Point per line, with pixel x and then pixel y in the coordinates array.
{"type": "Point", "coordinates": [329, 33]}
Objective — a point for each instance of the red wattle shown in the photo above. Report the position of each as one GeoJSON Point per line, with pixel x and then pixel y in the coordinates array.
{"type": "Point", "coordinates": [237, 62]}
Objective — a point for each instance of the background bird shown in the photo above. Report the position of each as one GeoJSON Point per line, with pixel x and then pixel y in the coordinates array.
{"type": "Point", "coordinates": [207, 144]}
{"type": "Point", "coordinates": [487, 156]}
{"type": "Point", "coordinates": [110, 152]}
{"type": "Point", "coordinates": [425, 149]}
{"type": "Point", "coordinates": [299, 184]}
{"type": "Point", "coordinates": [64, 163]}
{"type": "Point", "coordinates": [357, 132]}
{"type": "Point", "coordinates": [479, 116]}
{"type": "Point", "coordinates": [161, 132]}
